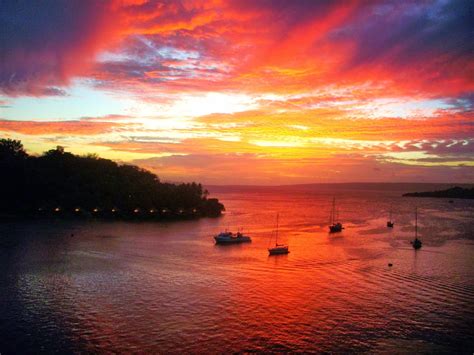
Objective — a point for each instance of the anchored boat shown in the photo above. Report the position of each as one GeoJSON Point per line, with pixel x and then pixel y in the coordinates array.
{"type": "Point", "coordinates": [390, 223]}
{"type": "Point", "coordinates": [334, 226]}
{"type": "Point", "coordinates": [417, 242]}
{"type": "Point", "coordinates": [278, 248]}
{"type": "Point", "coordinates": [231, 238]}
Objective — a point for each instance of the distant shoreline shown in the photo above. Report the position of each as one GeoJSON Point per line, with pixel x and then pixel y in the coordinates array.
{"type": "Point", "coordinates": [397, 187]}
{"type": "Point", "coordinates": [455, 192]}
{"type": "Point", "coordinates": [401, 184]}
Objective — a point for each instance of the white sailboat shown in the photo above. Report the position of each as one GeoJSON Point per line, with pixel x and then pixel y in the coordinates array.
{"type": "Point", "coordinates": [278, 248]}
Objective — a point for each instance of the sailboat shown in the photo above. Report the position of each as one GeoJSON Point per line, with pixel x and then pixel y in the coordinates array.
{"type": "Point", "coordinates": [278, 248]}
{"type": "Point", "coordinates": [334, 226]}
{"type": "Point", "coordinates": [417, 242]}
{"type": "Point", "coordinates": [390, 223]}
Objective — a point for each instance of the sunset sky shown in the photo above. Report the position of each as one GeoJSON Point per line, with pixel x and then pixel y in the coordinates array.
{"type": "Point", "coordinates": [246, 91]}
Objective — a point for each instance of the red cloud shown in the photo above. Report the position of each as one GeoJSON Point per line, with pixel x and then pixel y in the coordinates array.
{"type": "Point", "coordinates": [58, 127]}
{"type": "Point", "coordinates": [262, 46]}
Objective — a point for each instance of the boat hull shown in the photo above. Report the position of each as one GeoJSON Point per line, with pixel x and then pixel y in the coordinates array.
{"type": "Point", "coordinates": [416, 244]}
{"type": "Point", "coordinates": [278, 251]}
{"type": "Point", "coordinates": [335, 228]}
{"type": "Point", "coordinates": [227, 241]}
{"type": "Point", "coordinates": [390, 224]}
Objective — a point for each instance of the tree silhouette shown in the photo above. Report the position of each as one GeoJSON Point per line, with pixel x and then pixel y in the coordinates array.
{"type": "Point", "coordinates": [10, 148]}
{"type": "Point", "coordinates": [61, 183]}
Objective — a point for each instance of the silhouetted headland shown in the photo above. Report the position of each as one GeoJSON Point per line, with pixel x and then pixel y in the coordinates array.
{"type": "Point", "coordinates": [454, 192]}
{"type": "Point", "coordinates": [59, 183]}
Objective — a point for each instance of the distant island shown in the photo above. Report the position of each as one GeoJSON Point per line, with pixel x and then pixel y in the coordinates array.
{"type": "Point", "coordinates": [454, 192]}
{"type": "Point", "coordinates": [59, 183]}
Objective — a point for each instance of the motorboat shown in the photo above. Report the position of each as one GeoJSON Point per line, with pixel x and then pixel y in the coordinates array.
{"type": "Point", "coordinates": [231, 238]}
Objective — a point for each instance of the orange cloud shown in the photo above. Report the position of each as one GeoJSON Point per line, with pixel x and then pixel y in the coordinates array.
{"type": "Point", "coordinates": [295, 47]}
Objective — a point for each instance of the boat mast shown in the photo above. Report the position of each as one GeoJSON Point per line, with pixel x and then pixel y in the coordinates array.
{"type": "Point", "coordinates": [276, 234]}
{"type": "Point", "coordinates": [416, 222]}
{"type": "Point", "coordinates": [390, 213]}
{"type": "Point", "coordinates": [330, 217]}
{"type": "Point", "coordinates": [333, 212]}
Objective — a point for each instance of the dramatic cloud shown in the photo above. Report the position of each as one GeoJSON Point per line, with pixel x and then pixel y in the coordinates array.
{"type": "Point", "coordinates": [45, 43]}
{"type": "Point", "coordinates": [304, 90]}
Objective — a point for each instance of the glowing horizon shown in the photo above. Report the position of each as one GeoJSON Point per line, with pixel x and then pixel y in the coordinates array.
{"type": "Point", "coordinates": [246, 92]}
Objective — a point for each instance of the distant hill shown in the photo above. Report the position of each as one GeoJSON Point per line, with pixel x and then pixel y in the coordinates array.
{"type": "Point", "coordinates": [338, 188]}
{"type": "Point", "coordinates": [454, 192]}
{"type": "Point", "coordinates": [62, 184]}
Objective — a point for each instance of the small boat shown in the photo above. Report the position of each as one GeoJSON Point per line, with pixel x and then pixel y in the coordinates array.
{"type": "Point", "coordinates": [417, 242]}
{"type": "Point", "coordinates": [231, 238]}
{"type": "Point", "coordinates": [278, 249]}
{"type": "Point", "coordinates": [334, 226]}
{"type": "Point", "coordinates": [390, 223]}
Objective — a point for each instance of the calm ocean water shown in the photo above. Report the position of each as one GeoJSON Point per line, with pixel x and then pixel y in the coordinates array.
{"type": "Point", "coordinates": [166, 288]}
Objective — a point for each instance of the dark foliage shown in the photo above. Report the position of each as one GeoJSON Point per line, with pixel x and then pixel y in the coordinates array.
{"type": "Point", "coordinates": [61, 183]}
{"type": "Point", "coordinates": [455, 192]}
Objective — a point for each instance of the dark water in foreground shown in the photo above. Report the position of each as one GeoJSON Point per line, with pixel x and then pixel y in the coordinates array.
{"type": "Point", "coordinates": [144, 287]}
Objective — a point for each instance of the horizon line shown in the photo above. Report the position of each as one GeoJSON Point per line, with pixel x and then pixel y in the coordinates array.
{"type": "Point", "coordinates": [344, 183]}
